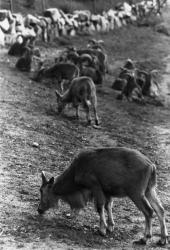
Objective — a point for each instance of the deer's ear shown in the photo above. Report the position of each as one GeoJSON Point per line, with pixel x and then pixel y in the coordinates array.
{"type": "Point", "coordinates": [44, 180]}
{"type": "Point", "coordinates": [51, 181]}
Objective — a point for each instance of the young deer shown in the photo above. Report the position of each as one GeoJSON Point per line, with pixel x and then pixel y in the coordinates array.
{"type": "Point", "coordinates": [102, 174]}
{"type": "Point", "coordinates": [81, 90]}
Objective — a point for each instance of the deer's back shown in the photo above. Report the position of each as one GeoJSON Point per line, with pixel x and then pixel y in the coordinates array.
{"type": "Point", "coordinates": [114, 169]}
{"type": "Point", "coordinates": [65, 70]}
{"type": "Point", "coordinates": [82, 87]}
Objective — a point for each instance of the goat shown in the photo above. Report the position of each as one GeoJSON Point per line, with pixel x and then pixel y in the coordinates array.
{"type": "Point", "coordinates": [81, 90]}
{"type": "Point", "coordinates": [102, 58]}
{"type": "Point", "coordinates": [78, 60]}
{"type": "Point", "coordinates": [132, 80]}
{"type": "Point", "coordinates": [24, 62]}
{"type": "Point", "coordinates": [148, 78]}
{"type": "Point", "coordinates": [143, 79]}
{"type": "Point", "coordinates": [87, 59]}
{"type": "Point", "coordinates": [73, 57]}
{"type": "Point", "coordinates": [59, 71]}
{"type": "Point", "coordinates": [131, 89]}
{"type": "Point", "coordinates": [87, 64]}
{"type": "Point", "coordinates": [102, 174]}
{"type": "Point", "coordinates": [119, 84]}
{"type": "Point", "coordinates": [95, 74]}
{"type": "Point", "coordinates": [95, 44]}
{"type": "Point", "coordinates": [129, 64]}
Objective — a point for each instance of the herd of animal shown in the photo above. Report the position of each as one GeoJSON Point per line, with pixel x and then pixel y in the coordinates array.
{"type": "Point", "coordinates": [54, 23]}
{"type": "Point", "coordinates": [78, 71]}
{"type": "Point", "coordinates": [100, 174]}
{"type": "Point", "coordinates": [135, 84]}
{"type": "Point", "coordinates": [96, 174]}
{"type": "Point", "coordinates": [75, 71]}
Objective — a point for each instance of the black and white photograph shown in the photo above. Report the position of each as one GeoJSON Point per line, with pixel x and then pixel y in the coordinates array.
{"type": "Point", "coordinates": [84, 124]}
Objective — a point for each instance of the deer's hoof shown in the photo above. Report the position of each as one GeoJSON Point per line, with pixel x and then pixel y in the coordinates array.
{"type": "Point", "coordinates": [110, 228]}
{"type": "Point", "coordinates": [96, 126]}
{"type": "Point", "coordinates": [97, 123]}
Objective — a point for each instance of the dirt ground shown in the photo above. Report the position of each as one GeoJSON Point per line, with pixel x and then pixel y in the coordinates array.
{"type": "Point", "coordinates": [35, 138]}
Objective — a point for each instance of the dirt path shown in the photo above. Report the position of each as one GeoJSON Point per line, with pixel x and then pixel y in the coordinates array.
{"type": "Point", "coordinates": [28, 115]}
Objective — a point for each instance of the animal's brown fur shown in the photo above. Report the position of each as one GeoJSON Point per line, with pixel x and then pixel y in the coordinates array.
{"type": "Point", "coordinates": [81, 91]}
{"type": "Point", "coordinates": [104, 173]}
{"type": "Point", "coordinates": [58, 71]}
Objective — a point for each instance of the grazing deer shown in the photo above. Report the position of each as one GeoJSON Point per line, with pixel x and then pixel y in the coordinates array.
{"type": "Point", "coordinates": [81, 90]}
{"type": "Point", "coordinates": [59, 71]}
{"type": "Point", "coordinates": [95, 74]}
{"type": "Point", "coordinates": [102, 174]}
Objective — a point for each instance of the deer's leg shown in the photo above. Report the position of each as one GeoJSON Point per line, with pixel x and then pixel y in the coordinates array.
{"type": "Point", "coordinates": [90, 182]}
{"type": "Point", "coordinates": [100, 201]}
{"type": "Point", "coordinates": [159, 210]}
{"type": "Point", "coordinates": [103, 224]}
{"type": "Point", "coordinates": [76, 106]}
{"type": "Point", "coordinates": [123, 92]}
{"type": "Point", "coordinates": [108, 207]}
{"type": "Point", "coordinates": [77, 111]}
{"type": "Point", "coordinates": [144, 206]}
{"type": "Point", "coordinates": [129, 98]}
{"type": "Point", "coordinates": [94, 103]}
{"type": "Point", "coordinates": [87, 109]}
{"type": "Point", "coordinates": [62, 85]}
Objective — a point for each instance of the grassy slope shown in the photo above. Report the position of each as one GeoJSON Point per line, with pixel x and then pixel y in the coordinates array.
{"type": "Point", "coordinates": [28, 114]}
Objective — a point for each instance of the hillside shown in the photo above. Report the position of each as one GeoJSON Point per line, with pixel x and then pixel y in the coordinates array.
{"type": "Point", "coordinates": [68, 5]}
{"type": "Point", "coordinates": [34, 137]}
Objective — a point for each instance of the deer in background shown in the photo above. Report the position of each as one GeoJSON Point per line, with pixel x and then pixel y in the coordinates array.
{"type": "Point", "coordinates": [81, 90]}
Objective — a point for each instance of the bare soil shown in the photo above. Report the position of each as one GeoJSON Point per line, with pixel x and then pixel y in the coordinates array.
{"type": "Point", "coordinates": [35, 138]}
